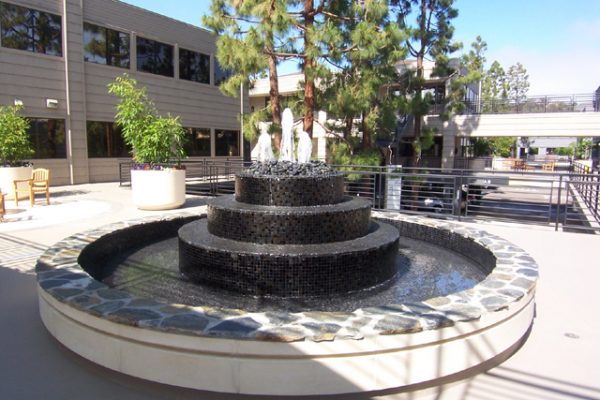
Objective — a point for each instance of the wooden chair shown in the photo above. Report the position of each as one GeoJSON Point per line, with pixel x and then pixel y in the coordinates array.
{"type": "Point", "coordinates": [548, 166]}
{"type": "Point", "coordinates": [2, 207]}
{"type": "Point", "coordinates": [38, 183]}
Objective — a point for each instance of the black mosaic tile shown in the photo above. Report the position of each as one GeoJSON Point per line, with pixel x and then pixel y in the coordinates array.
{"type": "Point", "coordinates": [231, 219]}
{"type": "Point", "coordinates": [289, 191]}
{"type": "Point", "coordinates": [288, 270]}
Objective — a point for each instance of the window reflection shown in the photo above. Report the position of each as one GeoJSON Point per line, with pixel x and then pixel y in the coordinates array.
{"type": "Point", "coordinates": [194, 66]}
{"type": "Point", "coordinates": [47, 137]}
{"type": "Point", "coordinates": [154, 57]}
{"type": "Point", "coordinates": [30, 30]}
{"type": "Point", "coordinates": [104, 139]}
{"type": "Point", "coordinates": [105, 46]}
{"type": "Point", "coordinates": [221, 74]}
{"type": "Point", "coordinates": [227, 143]}
{"type": "Point", "coordinates": [198, 142]}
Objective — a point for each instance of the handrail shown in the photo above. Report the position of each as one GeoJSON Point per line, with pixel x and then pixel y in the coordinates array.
{"type": "Point", "coordinates": [583, 102]}
{"type": "Point", "coordinates": [570, 200]}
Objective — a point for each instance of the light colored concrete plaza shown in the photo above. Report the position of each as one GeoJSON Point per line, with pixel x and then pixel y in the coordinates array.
{"type": "Point", "coordinates": [560, 360]}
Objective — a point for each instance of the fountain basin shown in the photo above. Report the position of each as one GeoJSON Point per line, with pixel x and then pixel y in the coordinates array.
{"type": "Point", "coordinates": [393, 346]}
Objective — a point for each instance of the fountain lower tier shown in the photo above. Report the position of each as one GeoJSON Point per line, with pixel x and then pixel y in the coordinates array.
{"type": "Point", "coordinates": [261, 224]}
{"type": "Point", "coordinates": [290, 270]}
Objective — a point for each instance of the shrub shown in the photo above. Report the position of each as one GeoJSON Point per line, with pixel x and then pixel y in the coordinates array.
{"type": "Point", "coordinates": [14, 140]}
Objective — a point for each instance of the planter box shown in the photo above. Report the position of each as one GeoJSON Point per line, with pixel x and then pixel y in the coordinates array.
{"type": "Point", "coordinates": [9, 174]}
{"type": "Point", "coordinates": [158, 190]}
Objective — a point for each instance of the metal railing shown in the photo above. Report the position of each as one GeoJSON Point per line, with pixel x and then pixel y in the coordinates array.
{"type": "Point", "coordinates": [531, 104]}
{"type": "Point", "coordinates": [584, 187]}
{"type": "Point", "coordinates": [561, 200]}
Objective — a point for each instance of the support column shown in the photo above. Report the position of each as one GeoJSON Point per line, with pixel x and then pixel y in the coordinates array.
{"type": "Point", "coordinates": [448, 150]}
{"type": "Point", "coordinates": [75, 121]}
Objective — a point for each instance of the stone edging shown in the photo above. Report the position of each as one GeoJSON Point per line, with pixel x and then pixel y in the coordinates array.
{"type": "Point", "coordinates": [514, 276]}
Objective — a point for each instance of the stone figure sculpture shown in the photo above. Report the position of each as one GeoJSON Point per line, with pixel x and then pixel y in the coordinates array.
{"type": "Point", "coordinates": [286, 151]}
{"type": "Point", "coordinates": [304, 148]}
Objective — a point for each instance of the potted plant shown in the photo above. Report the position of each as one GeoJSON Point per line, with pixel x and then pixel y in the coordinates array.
{"type": "Point", "coordinates": [15, 147]}
{"type": "Point", "coordinates": [157, 176]}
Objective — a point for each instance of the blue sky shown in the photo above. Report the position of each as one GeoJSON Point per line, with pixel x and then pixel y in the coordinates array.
{"type": "Point", "coordinates": [558, 41]}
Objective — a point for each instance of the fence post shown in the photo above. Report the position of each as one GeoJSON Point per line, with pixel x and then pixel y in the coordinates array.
{"type": "Point", "coordinates": [558, 201]}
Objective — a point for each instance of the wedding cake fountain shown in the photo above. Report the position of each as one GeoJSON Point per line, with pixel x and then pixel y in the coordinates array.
{"type": "Point", "coordinates": [288, 231]}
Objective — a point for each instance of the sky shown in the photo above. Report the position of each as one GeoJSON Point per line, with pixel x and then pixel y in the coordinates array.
{"type": "Point", "coordinates": [558, 41]}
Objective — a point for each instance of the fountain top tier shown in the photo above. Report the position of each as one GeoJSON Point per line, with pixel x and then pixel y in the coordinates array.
{"type": "Point", "coordinates": [284, 183]}
{"type": "Point", "coordinates": [289, 168]}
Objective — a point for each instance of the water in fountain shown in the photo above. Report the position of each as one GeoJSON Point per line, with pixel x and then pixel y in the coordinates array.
{"type": "Point", "coordinates": [289, 238]}
{"type": "Point", "coordinates": [286, 148]}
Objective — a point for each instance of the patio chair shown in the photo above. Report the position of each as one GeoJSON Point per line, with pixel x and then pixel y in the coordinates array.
{"type": "Point", "coordinates": [548, 166]}
{"type": "Point", "coordinates": [2, 207]}
{"type": "Point", "coordinates": [38, 183]}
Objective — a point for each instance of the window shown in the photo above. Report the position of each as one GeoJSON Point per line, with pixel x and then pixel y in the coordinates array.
{"type": "Point", "coordinates": [104, 140]}
{"type": "Point", "coordinates": [154, 57]}
{"type": "Point", "coordinates": [227, 143]}
{"type": "Point", "coordinates": [198, 143]}
{"type": "Point", "coordinates": [105, 46]}
{"type": "Point", "coordinates": [47, 138]}
{"type": "Point", "coordinates": [194, 66]}
{"type": "Point", "coordinates": [221, 74]}
{"type": "Point", "coordinates": [31, 30]}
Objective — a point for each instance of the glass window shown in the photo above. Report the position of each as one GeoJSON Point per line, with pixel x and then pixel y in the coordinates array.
{"type": "Point", "coordinates": [221, 74]}
{"type": "Point", "coordinates": [198, 142]}
{"type": "Point", "coordinates": [104, 140]}
{"type": "Point", "coordinates": [105, 46]}
{"type": "Point", "coordinates": [31, 30]}
{"type": "Point", "coordinates": [227, 143]}
{"type": "Point", "coordinates": [154, 57]}
{"type": "Point", "coordinates": [47, 137]}
{"type": "Point", "coordinates": [194, 66]}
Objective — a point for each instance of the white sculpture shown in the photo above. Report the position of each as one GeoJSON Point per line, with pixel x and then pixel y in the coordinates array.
{"type": "Point", "coordinates": [264, 149]}
{"type": "Point", "coordinates": [286, 151]}
{"type": "Point", "coordinates": [304, 148]}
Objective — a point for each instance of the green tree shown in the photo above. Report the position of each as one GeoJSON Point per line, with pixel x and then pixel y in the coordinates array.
{"type": "Point", "coordinates": [582, 148]}
{"type": "Point", "coordinates": [429, 37]}
{"type": "Point", "coordinates": [502, 146]}
{"type": "Point", "coordinates": [255, 35]}
{"type": "Point", "coordinates": [153, 139]}
{"type": "Point", "coordinates": [251, 38]}
{"type": "Point", "coordinates": [472, 73]}
{"type": "Point", "coordinates": [494, 90]}
{"type": "Point", "coordinates": [14, 140]}
{"type": "Point", "coordinates": [517, 81]}
{"type": "Point", "coordinates": [355, 89]}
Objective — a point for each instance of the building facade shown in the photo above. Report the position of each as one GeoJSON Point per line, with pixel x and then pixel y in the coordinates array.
{"type": "Point", "coordinates": [58, 56]}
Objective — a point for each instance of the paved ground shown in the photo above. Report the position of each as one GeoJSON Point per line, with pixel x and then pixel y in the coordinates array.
{"type": "Point", "coordinates": [559, 361]}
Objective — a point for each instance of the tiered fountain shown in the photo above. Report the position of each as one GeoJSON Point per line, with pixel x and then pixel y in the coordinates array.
{"type": "Point", "coordinates": [287, 235]}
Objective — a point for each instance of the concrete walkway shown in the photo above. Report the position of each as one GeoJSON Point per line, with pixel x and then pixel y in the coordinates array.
{"type": "Point", "coordinates": [560, 360]}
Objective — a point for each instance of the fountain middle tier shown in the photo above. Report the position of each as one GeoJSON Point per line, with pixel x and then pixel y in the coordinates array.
{"type": "Point", "coordinates": [262, 224]}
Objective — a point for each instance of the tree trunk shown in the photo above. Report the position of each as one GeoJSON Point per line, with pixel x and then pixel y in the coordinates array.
{"type": "Point", "coordinates": [274, 97]}
{"type": "Point", "coordinates": [366, 138]}
{"type": "Point", "coordinates": [418, 117]}
{"type": "Point", "coordinates": [309, 69]}
{"type": "Point", "coordinates": [348, 127]}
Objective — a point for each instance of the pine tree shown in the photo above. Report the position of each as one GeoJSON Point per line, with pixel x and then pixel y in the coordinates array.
{"type": "Point", "coordinates": [517, 81]}
{"type": "Point", "coordinates": [472, 72]}
{"type": "Point", "coordinates": [431, 37]}
{"type": "Point", "coordinates": [364, 71]}
{"type": "Point", "coordinates": [250, 35]}
{"type": "Point", "coordinates": [494, 88]}
{"type": "Point", "coordinates": [323, 37]}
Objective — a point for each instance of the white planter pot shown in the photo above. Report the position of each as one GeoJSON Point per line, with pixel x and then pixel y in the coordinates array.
{"type": "Point", "coordinates": [10, 174]}
{"type": "Point", "coordinates": [158, 190]}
